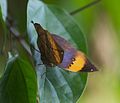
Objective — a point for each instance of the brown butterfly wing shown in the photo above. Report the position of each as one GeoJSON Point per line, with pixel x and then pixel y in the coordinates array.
{"type": "Point", "coordinates": [51, 52]}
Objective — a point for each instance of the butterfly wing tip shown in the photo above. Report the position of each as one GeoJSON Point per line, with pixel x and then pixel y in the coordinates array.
{"type": "Point", "coordinates": [89, 67]}
{"type": "Point", "coordinates": [94, 69]}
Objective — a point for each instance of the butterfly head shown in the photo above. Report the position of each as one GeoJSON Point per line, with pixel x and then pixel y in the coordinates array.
{"type": "Point", "coordinates": [38, 28]}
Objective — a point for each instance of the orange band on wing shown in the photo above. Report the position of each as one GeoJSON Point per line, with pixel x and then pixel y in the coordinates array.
{"type": "Point", "coordinates": [78, 64]}
{"type": "Point", "coordinates": [55, 49]}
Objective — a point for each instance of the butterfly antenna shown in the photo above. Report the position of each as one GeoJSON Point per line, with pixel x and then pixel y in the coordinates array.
{"type": "Point", "coordinates": [84, 7]}
{"type": "Point", "coordinates": [35, 49]}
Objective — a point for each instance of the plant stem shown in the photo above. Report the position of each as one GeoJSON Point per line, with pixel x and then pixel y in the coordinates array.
{"type": "Point", "coordinates": [16, 34]}
{"type": "Point", "coordinates": [84, 7]}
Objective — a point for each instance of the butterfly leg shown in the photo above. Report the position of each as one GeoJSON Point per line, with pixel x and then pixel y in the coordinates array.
{"type": "Point", "coordinates": [43, 74]}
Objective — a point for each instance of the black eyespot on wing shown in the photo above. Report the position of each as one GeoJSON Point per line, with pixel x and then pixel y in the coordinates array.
{"type": "Point", "coordinates": [72, 63]}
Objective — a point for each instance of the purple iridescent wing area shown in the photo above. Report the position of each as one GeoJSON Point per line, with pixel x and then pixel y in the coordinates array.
{"type": "Point", "coordinates": [73, 60]}
{"type": "Point", "coordinates": [69, 51]}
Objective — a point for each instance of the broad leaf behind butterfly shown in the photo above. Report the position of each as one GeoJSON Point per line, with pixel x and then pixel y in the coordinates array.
{"type": "Point", "coordinates": [56, 51]}
{"type": "Point", "coordinates": [56, 85]}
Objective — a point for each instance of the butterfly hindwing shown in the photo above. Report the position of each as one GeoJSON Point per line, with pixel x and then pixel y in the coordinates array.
{"type": "Point", "coordinates": [73, 59]}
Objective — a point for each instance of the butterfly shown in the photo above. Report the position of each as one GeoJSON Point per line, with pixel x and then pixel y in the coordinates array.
{"type": "Point", "coordinates": [56, 51]}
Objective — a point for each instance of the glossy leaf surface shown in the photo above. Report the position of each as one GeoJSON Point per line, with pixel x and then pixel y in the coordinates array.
{"type": "Point", "coordinates": [18, 83]}
{"type": "Point", "coordinates": [56, 85]}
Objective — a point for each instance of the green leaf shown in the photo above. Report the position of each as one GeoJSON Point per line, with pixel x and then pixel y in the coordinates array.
{"type": "Point", "coordinates": [56, 85]}
{"type": "Point", "coordinates": [18, 84]}
{"type": "Point", "coordinates": [3, 14]}
{"type": "Point", "coordinates": [2, 64]}
{"type": "Point", "coordinates": [2, 46]}
{"type": "Point", "coordinates": [3, 6]}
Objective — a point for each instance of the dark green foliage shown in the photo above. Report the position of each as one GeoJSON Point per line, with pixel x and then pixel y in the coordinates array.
{"type": "Point", "coordinates": [18, 83]}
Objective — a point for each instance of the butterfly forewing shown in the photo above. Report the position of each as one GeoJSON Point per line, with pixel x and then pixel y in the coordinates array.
{"type": "Point", "coordinates": [51, 52]}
